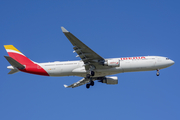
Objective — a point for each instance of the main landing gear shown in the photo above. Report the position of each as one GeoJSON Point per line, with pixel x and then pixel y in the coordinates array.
{"type": "Point", "coordinates": [88, 76]}
{"type": "Point", "coordinates": [91, 74]}
{"type": "Point", "coordinates": [157, 72]}
{"type": "Point", "coordinates": [90, 84]}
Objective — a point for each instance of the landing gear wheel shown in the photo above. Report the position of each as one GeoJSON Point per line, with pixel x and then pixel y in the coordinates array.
{"type": "Point", "coordinates": [92, 83]}
{"type": "Point", "coordinates": [87, 86]}
{"type": "Point", "coordinates": [157, 73]}
{"type": "Point", "coordinates": [88, 76]}
{"type": "Point", "coordinates": [92, 73]}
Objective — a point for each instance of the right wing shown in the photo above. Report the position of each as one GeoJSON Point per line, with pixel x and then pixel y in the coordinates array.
{"type": "Point", "coordinates": [79, 83]}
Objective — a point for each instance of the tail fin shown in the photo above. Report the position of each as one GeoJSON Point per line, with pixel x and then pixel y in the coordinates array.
{"type": "Point", "coordinates": [20, 62]}
{"type": "Point", "coordinates": [16, 55]}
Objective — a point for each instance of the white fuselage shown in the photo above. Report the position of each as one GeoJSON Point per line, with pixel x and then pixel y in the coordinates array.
{"type": "Point", "coordinates": [129, 64]}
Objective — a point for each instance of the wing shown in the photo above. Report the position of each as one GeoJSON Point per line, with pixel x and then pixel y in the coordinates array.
{"type": "Point", "coordinates": [87, 55]}
{"type": "Point", "coordinates": [79, 83]}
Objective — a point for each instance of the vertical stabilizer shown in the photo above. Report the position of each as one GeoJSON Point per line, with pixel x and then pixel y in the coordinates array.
{"type": "Point", "coordinates": [17, 55]}
{"type": "Point", "coordinates": [21, 63]}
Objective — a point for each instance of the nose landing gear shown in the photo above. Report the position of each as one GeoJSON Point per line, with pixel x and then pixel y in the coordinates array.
{"type": "Point", "coordinates": [157, 72]}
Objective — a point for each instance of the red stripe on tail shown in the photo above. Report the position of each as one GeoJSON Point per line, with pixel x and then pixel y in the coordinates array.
{"type": "Point", "coordinates": [31, 67]}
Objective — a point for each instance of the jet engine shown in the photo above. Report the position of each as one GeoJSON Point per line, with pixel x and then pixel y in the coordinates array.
{"type": "Point", "coordinates": [110, 80]}
{"type": "Point", "coordinates": [112, 62]}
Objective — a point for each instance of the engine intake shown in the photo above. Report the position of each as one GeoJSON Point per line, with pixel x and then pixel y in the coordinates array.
{"type": "Point", "coordinates": [110, 80]}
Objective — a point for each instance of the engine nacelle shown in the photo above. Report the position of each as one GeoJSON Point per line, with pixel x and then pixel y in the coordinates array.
{"type": "Point", "coordinates": [110, 80]}
{"type": "Point", "coordinates": [112, 63]}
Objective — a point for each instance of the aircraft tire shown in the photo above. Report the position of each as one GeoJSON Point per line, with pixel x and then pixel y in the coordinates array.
{"type": "Point", "coordinates": [88, 76]}
{"type": "Point", "coordinates": [92, 73]}
{"type": "Point", "coordinates": [87, 86]}
{"type": "Point", "coordinates": [92, 83]}
{"type": "Point", "coordinates": [157, 73]}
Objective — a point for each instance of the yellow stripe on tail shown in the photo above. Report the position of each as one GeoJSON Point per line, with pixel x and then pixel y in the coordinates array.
{"type": "Point", "coordinates": [11, 47]}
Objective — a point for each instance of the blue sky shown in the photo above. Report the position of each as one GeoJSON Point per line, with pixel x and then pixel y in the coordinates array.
{"type": "Point", "coordinates": [112, 29]}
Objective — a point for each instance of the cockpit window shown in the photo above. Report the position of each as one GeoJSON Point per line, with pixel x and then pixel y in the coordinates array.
{"type": "Point", "coordinates": [167, 58]}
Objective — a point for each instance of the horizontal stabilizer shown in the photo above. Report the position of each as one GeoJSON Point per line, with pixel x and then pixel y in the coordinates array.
{"type": "Point", "coordinates": [13, 71]}
{"type": "Point", "coordinates": [14, 63]}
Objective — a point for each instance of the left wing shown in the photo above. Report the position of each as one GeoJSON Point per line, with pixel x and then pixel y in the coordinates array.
{"type": "Point", "coordinates": [87, 55]}
{"type": "Point", "coordinates": [79, 83]}
{"type": "Point", "coordinates": [90, 58]}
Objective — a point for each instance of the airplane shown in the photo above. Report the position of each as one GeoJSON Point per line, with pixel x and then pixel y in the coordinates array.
{"type": "Point", "coordinates": [91, 66]}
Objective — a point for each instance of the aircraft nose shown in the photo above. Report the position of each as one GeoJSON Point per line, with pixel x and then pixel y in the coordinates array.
{"type": "Point", "coordinates": [171, 62]}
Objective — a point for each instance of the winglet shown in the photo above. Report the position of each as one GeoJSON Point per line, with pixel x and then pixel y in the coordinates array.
{"type": "Point", "coordinates": [65, 86]}
{"type": "Point", "coordinates": [64, 30]}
